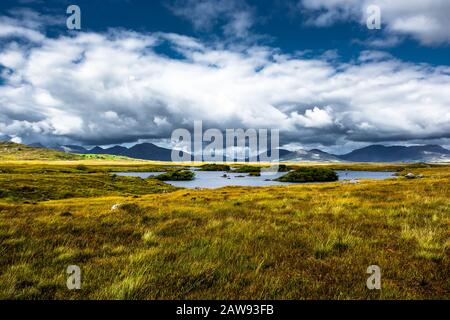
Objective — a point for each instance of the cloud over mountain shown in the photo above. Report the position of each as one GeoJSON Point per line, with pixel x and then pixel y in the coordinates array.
{"type": "Point", "coordinates": [120, 86]}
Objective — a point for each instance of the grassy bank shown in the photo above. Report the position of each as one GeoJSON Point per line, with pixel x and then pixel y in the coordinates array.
{"type": "Point", "coordinates": [33, 188]}
{"type": "Point", "coordinates": [286, 242]}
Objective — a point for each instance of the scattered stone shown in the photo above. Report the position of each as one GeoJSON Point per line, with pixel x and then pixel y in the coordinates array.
{"type": "Point", "coordinates": [116, 206]}
{"type": "Point", "coordinates": [352, 181]}
{"type": "Point", "coordinates": [419, 176]}
{"type": "Point", "coordinates": [410, 176]}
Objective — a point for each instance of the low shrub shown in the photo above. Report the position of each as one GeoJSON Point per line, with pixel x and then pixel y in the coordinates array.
{"type": "Point", "coordinates": [247, 169]}
{"type": "Point", "coordinates": [215, 167]}
{"type": "Point", "coordinates": [177, 175]}
{"type": "Point", "coordinates": [309, 174]}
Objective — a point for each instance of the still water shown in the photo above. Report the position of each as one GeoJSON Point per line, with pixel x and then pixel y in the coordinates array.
{"type": "Point", "coordinates": [216, 179]}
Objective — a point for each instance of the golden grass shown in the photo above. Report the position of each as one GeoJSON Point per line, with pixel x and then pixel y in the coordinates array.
{"type": "Point", "coordinates": [310, 241]}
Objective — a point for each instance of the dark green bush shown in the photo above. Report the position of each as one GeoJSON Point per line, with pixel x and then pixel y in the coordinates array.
{"type": "Point", "coordinates": [309, 174]}
{"type": "Point", "coordinates": [283, 168]}
{"type": "Point", "coordinates": [215, 167]}
{"type": "Point", "coordinates": [247, 169]}
{"type": "Point", "coordinates": [177, 175]}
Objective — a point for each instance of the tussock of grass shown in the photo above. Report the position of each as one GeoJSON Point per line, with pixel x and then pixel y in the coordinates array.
{"type": "Point", "coordinates": [429, 241]}
{"type": "Point", "coordinates": [334, 242]}
{"type": "Point", "coordinates": [150, 238]}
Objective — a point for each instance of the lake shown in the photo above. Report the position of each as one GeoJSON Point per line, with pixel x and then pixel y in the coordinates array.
{"type": "Point", "coordinates": [215, 179]}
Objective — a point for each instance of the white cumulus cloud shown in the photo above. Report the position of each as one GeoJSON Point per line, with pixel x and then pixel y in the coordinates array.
{"type": "Point", "coordinates": [426, 21]}
{"type": "Point", "coordinates": [117, 87]}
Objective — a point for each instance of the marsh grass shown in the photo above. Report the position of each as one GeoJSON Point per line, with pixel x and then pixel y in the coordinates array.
{"type": "Point", "coordinates": [428, 241]}
{"type": "Point", "coordinates": [280, 242]}
{"type": "Point", "coordinates": [34, 187]}
{"type": "Point", "coordinates": [334, 241]}
{"type": "Point", "coordinates": [15, 151]}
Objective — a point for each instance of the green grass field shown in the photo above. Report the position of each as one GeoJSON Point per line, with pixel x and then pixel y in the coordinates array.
{"type": "Point", "coordinates": [288, 242]}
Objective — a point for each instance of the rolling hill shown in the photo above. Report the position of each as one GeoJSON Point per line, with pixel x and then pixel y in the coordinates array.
{"type": "Point", "coordinates": [16, 151]}
{"type": "Point", "coordinates": [144, 151]}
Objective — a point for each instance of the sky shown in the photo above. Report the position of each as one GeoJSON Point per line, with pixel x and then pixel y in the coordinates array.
{"type": "Point", "coordinates": [137, 70]}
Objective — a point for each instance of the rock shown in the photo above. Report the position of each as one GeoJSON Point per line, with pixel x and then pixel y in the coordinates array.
{"type": "Point", "coordinates": [410, 176]}
{"type": "Point", "coordinates": [419, 176]}
{"type": "Point", "coordinates": [116, 206]}
{"type": "Point", "coordinates": [352, 181]}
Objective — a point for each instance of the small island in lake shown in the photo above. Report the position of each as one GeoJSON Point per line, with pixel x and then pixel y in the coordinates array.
{"type": "Point", "coordinates": [308, 174]}
{"type": "Point", "coordinates": [247, 169]}
{"type": "Point", "coordinates": [214, 167]}
{"type": "Point", "coordinates": [176, 175]}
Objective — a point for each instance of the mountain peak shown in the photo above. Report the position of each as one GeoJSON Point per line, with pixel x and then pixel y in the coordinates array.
{"type": "Point", "coordinates": [381, 153]}
{"type": "Point", "coordinates": [95, 149]}
{"type": "Point", "coordinates": [371, 153]}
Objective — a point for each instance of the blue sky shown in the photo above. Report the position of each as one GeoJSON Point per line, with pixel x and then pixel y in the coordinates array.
{"type": "Point", "coordinates": [278, 23]}
{"type": "Point", "coordinates": [139, 69]}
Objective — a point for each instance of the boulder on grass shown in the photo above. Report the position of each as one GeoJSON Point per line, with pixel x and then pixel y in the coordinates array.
{"type": "Point", "coordinates": [116, 206]}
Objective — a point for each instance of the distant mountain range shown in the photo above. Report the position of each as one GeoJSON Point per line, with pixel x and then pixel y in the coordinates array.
{"type": "Point", "coordinates": [314, 155]}
{"type": "Point", "coordinates": [145, 151]}
{"type": "Point", "coordinates": [372, 153]}
{"type": "Point", "coordinates": [380, 153]}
